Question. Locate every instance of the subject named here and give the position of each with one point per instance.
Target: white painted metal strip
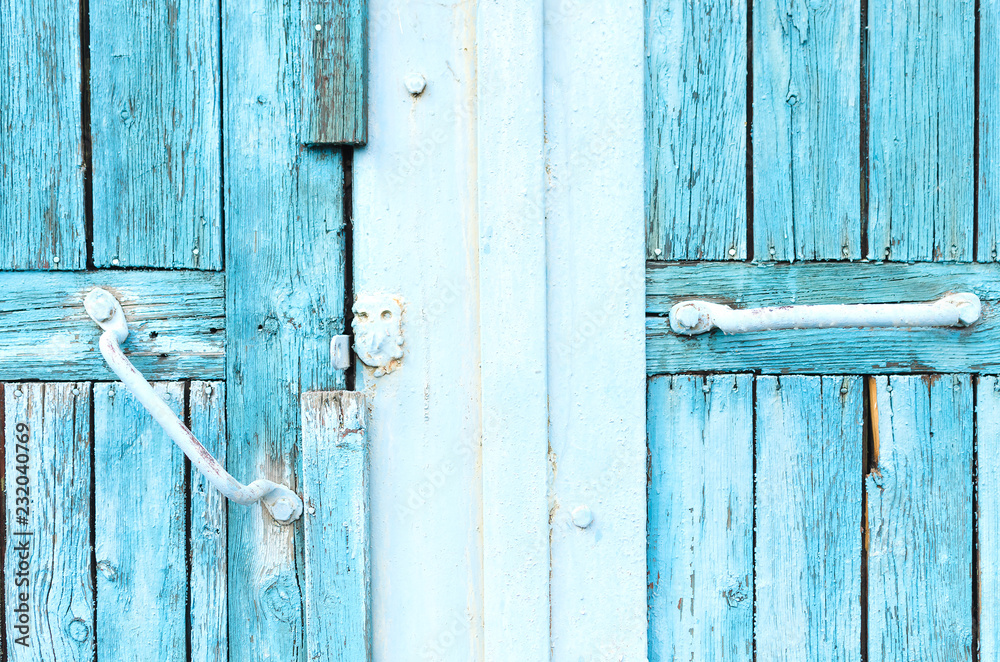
(512, 317)
(596, 248)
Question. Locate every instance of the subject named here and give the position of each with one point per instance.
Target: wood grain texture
(921, 64)
(806, 129)
(989, 131)
(49, 596)
(155, 125)
(42, 166)
(140, 528)
(700, 518)
(176, 322)
(696, 129)
(284, 301)
(808, 505)
(988, 514)
(822, 351)
(920, 520)
(335, 72)
(207, 581)
(335, 495)
(750, 285)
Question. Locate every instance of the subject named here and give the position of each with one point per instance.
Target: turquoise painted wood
(920, 77)
(696, 188)
(920, 520)
(48, 591)
(700, 518)
(806, 130)
(337, 586)
(140, 527)
(207, 530)
(988, 514)
(284, 301)
(155, 131)
(176, 321)
(334, 72)
(988, 183)
(808, 505)
(41, 137)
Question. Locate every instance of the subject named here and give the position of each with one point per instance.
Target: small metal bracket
(378, 331)
(340, 352)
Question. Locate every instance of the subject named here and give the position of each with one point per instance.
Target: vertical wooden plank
(989, 131)
(696, 61)
(921, 62)
(155, 122)
(416, 235)
(140, 528)
(920, 520)
(335, 72)
(808, 503)
(595, 280)
(284, 301)
(806, 144)
(515, 434)
(49, 596)
(42, 167)
(335, 495)
(700, 518)
(988, 514)
(207, 530)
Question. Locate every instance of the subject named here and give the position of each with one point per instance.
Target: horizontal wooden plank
(177, 323)
(813, 283)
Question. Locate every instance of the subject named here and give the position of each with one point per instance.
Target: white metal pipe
(284, 505)
(694, 317)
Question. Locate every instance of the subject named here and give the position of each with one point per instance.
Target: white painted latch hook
(955, 310)
(284, 505)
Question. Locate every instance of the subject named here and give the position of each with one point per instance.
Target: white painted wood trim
(512, 318)
(597, 380)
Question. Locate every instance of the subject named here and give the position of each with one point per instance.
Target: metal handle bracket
(284, 505)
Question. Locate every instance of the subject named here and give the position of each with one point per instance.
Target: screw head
(688, 316)
(415, 84)
(582, 517)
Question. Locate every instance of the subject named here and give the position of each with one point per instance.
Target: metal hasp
(284, 505)
(378, 331)
(955, 310)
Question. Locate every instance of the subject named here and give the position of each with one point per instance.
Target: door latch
(693, 317)
(284, 505)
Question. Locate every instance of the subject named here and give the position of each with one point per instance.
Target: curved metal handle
(693, 317)
(284, 505)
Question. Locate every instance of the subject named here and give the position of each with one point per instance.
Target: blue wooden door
(825, 494)
(192, 157)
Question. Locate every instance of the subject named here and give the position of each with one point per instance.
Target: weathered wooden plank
(335, 72)
(42, 167)
(335, 494)
(49, 596)
(176, 322)
(140, 528)
(284, 301)
(988, 514)
(920, 520)
(207, 530)
(512, 329)
(426, 505)
(806, 126)
(700, 518)
(594, 232)
(822, 351)
(155, 123)
(808, 504)
(748, 285)
(696, 60)
(989, 131)
(921, 64)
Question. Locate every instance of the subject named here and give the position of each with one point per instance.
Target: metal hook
(284, 505)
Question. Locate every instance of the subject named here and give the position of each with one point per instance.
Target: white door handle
(693, 317)
(284, 505)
